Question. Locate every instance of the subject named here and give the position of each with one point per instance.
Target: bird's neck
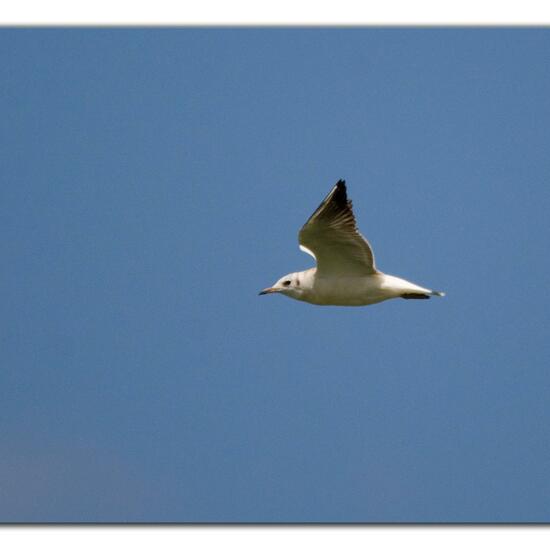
(306, 278)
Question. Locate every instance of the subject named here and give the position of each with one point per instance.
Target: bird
(346, 274)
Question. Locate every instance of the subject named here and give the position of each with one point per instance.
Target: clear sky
(154, 180)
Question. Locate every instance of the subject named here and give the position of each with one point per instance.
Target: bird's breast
(347, 291)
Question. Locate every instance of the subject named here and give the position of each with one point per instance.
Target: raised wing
(331, 237)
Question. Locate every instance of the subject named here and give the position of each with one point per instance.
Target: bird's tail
(437, 293)
(421, 295)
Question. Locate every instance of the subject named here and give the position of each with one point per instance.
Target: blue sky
(154, 180)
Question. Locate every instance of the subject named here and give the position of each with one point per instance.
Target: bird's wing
(331, 237)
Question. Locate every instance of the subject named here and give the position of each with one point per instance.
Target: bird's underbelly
(353, 291)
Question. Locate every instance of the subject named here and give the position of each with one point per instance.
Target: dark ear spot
(297, 282)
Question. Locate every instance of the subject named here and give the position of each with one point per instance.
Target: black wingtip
(335, 202)
(341, 195)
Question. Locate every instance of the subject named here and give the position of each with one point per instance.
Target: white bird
(345, 274)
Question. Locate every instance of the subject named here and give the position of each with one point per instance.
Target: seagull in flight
(346, 274)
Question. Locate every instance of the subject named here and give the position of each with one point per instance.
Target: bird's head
(288, 285)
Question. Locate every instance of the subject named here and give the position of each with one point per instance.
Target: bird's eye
(286, 283)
